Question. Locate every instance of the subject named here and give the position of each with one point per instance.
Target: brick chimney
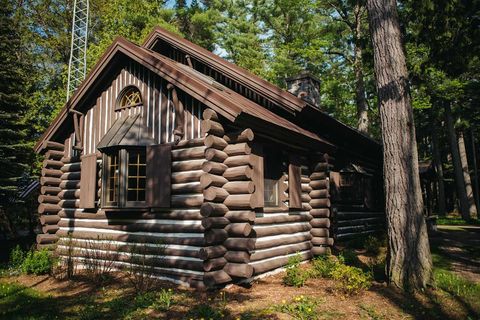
(306, 87)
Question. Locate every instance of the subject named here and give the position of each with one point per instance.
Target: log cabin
(167, 143)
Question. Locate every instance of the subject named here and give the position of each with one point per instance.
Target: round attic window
(129, 97)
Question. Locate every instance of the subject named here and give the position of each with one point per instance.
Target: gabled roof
(224, 101)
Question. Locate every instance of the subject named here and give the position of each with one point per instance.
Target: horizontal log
(50, 228)
(48, 199)
(208, 179)
(317, 251)
(320, 213)
(215, 222)
(322, 167)
(49, 247)
(214, 264)
(132, 226)
(320, 232)
(69, 194)
(213, 209)
(132, 237)
(215, 155)
(357, 214)
(53, 173)
(214, 167)
(209, 114)
(212, 127)
(185, 201)
(240, 215)
(70, 184)
(280, 251)
(237, 256)
(51, 145)
(322, 241)
(214, 278)
(239, 187)
(49, 219)
(212, 252)
(270, 219)
(215, 194)
(318, 176)
(240, 160)
(241, 201)
(305, 197)
(50, 190)
(268, 265)
(238, 270)
(69, 203)
(305, 179)
(215, 142)
(242, 229)
(52, 164)
(215, 236)
(319, 194)
(187, 165)
(189, 187)
(73, 159)
(48, 208)
(238, 149)
(237, 137)
(50, 181)
(281, 229)
(261, 244)
(46, 238)
(239, 244)
(186, 176)
(306, 188)
(54, 154)
(306, 206)
(320, 203)
(71, 167)
(320, 222)
(70, 176)
(362, 221)
(238, 173)
(188, 153)
(319, 184)
(178, 214)
(189, 143)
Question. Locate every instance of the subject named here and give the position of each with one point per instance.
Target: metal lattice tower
(77, 65)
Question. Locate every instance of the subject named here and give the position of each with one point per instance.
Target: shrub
(295, 276)
(301, 307)
(99, 260)
(351, 279)
(373, 245)
(141, 270)
(323, 266)
(348, 257)
(164, 300)
(206, 311)
(17, 257)
(38, 262)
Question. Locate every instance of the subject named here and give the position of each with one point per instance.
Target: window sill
(131, 209)
(276, 209)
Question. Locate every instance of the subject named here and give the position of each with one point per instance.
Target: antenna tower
(77, 65)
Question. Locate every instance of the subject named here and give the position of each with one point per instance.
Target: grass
(456, 221)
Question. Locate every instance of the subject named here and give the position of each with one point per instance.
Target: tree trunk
(409, 264)
(475, 169)
(472, 208)
(437, 160)
(361, 101)
(457, 166)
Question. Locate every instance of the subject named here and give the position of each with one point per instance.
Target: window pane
(271, 192)
(136, 176)
(112, 178)
(273, 171)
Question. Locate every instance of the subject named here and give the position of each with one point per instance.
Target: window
(273, 170)
(130, 97)
(124, 178)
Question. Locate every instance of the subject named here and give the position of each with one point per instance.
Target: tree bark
(475, 169)
(361, 101)
(409, 264)
(437, 160)
(457, 166)
(472, 208)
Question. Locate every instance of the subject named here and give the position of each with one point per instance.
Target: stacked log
(49, 199)
(320, 206)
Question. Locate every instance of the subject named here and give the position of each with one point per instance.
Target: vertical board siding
(157, 111)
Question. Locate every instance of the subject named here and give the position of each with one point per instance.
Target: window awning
(126, 131)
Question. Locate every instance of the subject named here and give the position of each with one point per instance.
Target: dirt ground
(77, 299)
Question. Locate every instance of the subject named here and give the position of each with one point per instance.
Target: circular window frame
(125, 91)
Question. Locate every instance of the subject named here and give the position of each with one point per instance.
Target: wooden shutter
(294, 183)
(258, 175)
(88, 181)
(159, 172)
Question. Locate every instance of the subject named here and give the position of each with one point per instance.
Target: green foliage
(323, 266)
(348, 257)
(456, 285)
(164, 300)
(206, 311)
(373, 245)
(351, 280)
(303, 308)
(17, 258)
(38, 262)
(295, 276)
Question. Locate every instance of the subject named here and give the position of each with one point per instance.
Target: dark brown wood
(187, 165)
(88, 181)
(215, 236)
(215, 155)
(69, 194)
(48, 208)
(50, 228)
(186, 201)
(239, 270)
(294, 183)
(54, 154)
(46, 238)
(70, 175)
(50, 181)
(240, 160)
(70, 184)
(238, 137)
(281, 229)
(214, 167)
(49, 219)
(209, 114)
(212, 127)
(48, 199)
(239, 229)
(239, 187)
(215, 194)
(238, 149)
(215, 142)
(213, 209)
(159, 176)
(53, 145)
(257, 175)
(319, 232)
(275, 252)
(216, 277)
(320, 223)
(207, 180)
(238, 173)
(287, 218)
(186, 176)
(189, 187)
(237, 256)
(214, 264)
(71, 167)
(240, 215)
(188, 153)
(215, 222)
(281, 241)
(55, 173)
(50, 190)
(320, 212)
(240, 244)
(269, 265)
(241, 201)
(320, 203)
(212, 252)
(52, 164)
